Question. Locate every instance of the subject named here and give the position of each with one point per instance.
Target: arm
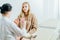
(16, 21)
(18, 31)
(33, 25)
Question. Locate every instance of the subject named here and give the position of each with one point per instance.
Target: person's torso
(28, 22)
(5, 31)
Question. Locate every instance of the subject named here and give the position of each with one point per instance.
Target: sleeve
(34, 22)
(17, 30)
(34, 25)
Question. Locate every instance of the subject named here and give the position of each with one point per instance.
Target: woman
(28, 17)
(8, 29)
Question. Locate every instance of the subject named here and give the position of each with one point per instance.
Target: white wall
(59, 10)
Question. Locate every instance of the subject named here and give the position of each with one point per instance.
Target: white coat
(9, 30)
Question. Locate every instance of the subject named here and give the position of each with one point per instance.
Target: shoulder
(9, 22)
(32, 15)
(21, 15)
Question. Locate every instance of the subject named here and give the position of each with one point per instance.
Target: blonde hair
(22, 12)
(28, 6)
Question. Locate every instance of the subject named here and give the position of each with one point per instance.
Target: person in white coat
(8, 29)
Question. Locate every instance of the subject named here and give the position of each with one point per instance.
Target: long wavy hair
(22, 12)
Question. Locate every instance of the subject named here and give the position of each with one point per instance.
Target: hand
(16, 21)
(28, 36)
(17, 38)
(25, 39)
(34, 36)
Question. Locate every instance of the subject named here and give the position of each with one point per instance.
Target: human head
(26, 8)
(5, 9)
